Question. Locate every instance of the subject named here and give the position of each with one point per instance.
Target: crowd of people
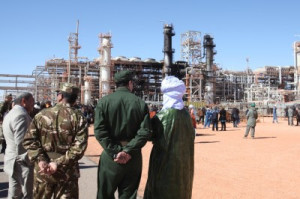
(212, 116)
(43, 142)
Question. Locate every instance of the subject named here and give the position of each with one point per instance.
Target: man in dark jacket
(235, 116)
(214, 119)
(223, 119)
(122, 127)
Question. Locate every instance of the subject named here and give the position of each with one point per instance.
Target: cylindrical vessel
(87, 92)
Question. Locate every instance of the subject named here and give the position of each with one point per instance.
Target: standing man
(223, 119)
(214, 118)
(298, 115)
(251, 121)
(275, 114)
(290, 116)
(6, 106)
(235, 116)
(208, 115)
(192, 114)
(122, 129)
(171, 165)
(55, 141)
(16, 164)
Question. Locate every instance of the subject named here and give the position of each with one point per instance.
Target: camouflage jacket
(58, 134)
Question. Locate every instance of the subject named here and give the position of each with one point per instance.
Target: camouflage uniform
(58, 134)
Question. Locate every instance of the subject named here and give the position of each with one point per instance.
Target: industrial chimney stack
(209, 52)
(168, 51)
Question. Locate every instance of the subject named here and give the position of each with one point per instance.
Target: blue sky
(33, 31)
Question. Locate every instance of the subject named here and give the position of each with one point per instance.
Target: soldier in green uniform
(251, 121)
(122, 129)
(55, 141)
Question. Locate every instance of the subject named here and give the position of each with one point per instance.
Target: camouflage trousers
(62, 190)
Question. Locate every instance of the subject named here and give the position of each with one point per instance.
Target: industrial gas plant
(206, 82)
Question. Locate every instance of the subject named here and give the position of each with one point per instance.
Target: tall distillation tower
(73, 51)
(297, 67)
(209, 45)
(105, 64)
(168, 51)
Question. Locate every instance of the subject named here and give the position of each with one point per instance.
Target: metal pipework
(168, 51)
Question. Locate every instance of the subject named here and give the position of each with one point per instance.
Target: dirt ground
(230, 167)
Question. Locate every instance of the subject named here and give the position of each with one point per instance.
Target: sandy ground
(228, 166)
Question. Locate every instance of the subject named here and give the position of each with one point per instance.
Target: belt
(54, 155)
(124, 143)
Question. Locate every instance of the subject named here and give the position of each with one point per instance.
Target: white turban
(173, 90)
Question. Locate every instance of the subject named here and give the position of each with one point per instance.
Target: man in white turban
(171, 167)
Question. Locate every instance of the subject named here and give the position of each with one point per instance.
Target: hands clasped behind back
(122, 157)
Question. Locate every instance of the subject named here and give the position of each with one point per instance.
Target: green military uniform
(58, 134)
(121, 124)
(251, 121)
(171, 166)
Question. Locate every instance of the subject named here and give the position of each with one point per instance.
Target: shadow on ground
(264, 137)
(204, 134)
(206, 142)
(88, 167)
